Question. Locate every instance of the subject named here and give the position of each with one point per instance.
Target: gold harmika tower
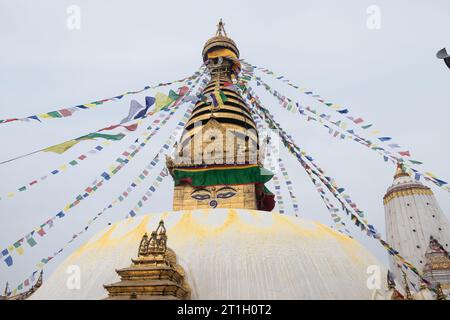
(217, 162)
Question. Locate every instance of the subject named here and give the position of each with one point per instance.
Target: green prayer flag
(173, 95)
(54, 114)
(113, 137)
(31, 241)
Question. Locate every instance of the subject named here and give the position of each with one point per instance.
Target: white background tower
(412, 217)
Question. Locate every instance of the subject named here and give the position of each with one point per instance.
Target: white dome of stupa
(228, 254)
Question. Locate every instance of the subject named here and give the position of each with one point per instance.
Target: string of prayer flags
(72, 163)
(98, 183)
(137, 110)
(44, 261)
(340, 226)
(289, 186)
(67, 112)
(296, 151)
(270, 151)
(63, 147)
(356, 120)
(164, 172)
(149, 193)
(350, 133)
(141, 177)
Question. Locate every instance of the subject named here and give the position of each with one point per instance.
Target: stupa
(225, 241)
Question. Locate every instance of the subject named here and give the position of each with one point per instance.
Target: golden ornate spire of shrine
(221, 29)
(401, 172)
(439, 292)
(217, 162)
(154, 275)
(407, 290)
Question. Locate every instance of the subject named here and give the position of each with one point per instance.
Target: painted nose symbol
(213, 203)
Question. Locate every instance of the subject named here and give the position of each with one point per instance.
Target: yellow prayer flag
(44, 115)
(161, 100)
(430, 174)
(20, 250)
(62, 147)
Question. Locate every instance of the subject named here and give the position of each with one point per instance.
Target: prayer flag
(9, 261)
(405, 153)
(31, 241)
(136, 111)
(161, 101)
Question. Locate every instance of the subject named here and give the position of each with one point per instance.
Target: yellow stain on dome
(204, 225)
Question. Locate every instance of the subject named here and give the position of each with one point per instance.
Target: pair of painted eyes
(224, 195)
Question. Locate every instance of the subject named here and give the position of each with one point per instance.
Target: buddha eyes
(201, 196)
(226, 195)
(223, 193)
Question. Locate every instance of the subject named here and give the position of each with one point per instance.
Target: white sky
(390, 77)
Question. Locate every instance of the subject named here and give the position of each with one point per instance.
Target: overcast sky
(389, 77)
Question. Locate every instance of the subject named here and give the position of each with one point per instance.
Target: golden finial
(221, 28)
(156, 243)
(390, 280)
(408, 292)
(6, 289)
(401, 170)
(439, 293)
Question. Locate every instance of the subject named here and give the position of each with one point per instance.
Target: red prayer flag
(405, 153)
(10, 120)
(131, 127)
(110, 127)
(359, 120)
(65, 112)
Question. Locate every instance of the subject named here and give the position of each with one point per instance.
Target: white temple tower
(413, 219)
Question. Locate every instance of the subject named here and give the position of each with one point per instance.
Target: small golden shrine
(437, 266)
(154, 275)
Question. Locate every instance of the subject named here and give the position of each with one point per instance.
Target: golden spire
(407, 291)
(401, 171)
(154, 275)
(221, 29)
(6, 289)
(390, 280)
(439, 293)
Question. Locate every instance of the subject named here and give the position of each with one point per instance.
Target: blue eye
(226, 195)
(201, 196)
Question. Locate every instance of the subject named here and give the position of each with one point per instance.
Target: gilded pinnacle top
(221, 39)
(400, 172)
